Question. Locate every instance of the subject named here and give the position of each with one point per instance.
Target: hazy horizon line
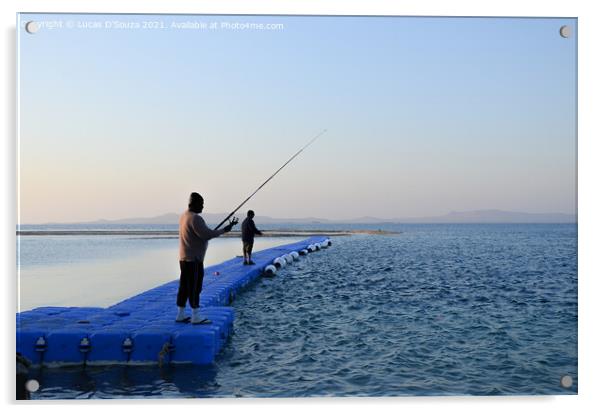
(371, 217)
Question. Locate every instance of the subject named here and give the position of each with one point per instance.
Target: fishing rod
(268, 180)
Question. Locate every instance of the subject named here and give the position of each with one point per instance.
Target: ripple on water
(436, 310)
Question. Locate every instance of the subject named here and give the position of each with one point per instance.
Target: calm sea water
(434, 310)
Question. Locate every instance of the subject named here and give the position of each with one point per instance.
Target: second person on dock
(248, 231)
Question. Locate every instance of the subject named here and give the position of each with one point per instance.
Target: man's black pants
(191, 283)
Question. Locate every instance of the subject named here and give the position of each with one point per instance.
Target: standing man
(194, 239)
(249, 230)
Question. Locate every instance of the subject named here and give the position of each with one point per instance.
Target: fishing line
(273, 175)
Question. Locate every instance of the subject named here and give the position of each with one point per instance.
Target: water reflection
(98, 271)
(125, 381)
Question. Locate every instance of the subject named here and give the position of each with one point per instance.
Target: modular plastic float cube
(27, 340)
(63, 346)
(108, 346)
(194, 345)
(148, 344)
(221, 320)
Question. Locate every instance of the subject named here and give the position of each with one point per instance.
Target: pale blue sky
(424, 116)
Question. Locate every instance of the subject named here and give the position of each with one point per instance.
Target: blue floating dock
(141, 329)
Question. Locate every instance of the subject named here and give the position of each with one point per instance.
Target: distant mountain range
(492, 216)
(495, 216)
